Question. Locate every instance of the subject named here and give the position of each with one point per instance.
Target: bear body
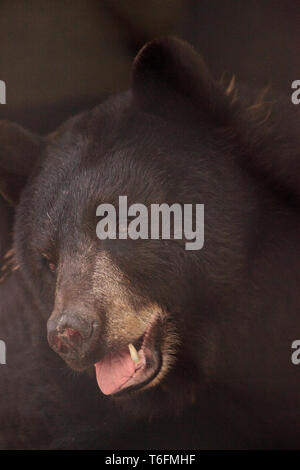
(214, 326)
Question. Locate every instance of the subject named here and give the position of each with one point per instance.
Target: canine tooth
(133, 353)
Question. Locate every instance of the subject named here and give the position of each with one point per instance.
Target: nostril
(70, 335)
(65, 341)
(58, 345)
(74, 327)
(73, 335)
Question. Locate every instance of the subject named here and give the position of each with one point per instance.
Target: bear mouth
(133, 367)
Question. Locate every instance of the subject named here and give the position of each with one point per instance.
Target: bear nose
(71, 335)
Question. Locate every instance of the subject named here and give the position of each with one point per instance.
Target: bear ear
(169, 66)
(19, 151)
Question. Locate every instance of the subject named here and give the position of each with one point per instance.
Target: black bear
(164, 330)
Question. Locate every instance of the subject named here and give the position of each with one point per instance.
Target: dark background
(60, 56)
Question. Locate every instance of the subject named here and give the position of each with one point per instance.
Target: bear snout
(72, 336)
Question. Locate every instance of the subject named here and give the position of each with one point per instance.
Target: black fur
(177, 136)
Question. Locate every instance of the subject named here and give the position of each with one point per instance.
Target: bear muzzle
(72, 336)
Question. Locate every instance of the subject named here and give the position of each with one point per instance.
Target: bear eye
(51, 266)
(49, 263)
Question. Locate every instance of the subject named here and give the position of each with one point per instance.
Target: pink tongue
(114, 371)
